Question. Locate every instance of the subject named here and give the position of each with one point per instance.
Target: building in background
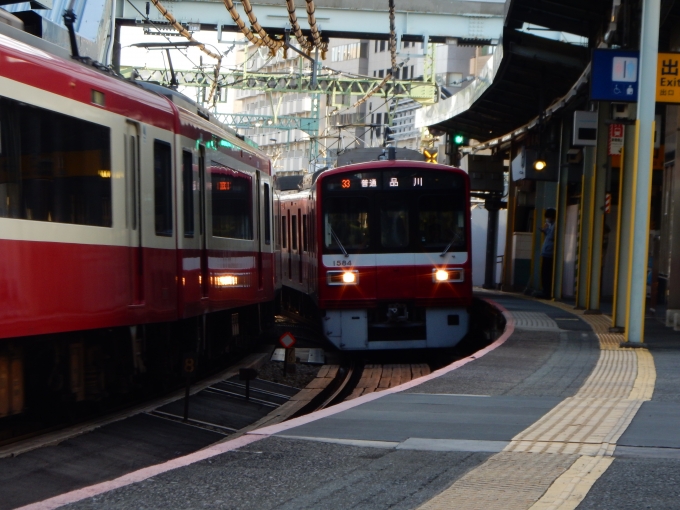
(344, 124)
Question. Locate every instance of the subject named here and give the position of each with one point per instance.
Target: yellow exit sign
(668, 78)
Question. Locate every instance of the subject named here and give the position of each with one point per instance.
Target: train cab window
(394, 224)
(188, 192)
(441, 221)
(294, 232)
(267, 213)
(346, 223)
(53, 167)
(162, 172)
(232, 210)
(284, 232)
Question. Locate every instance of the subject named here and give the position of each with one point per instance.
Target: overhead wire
(305, 44)
(183, 31)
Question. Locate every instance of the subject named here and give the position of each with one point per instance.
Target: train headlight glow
(448, 275)
(226, 281)
(441, 276)
(348, 277)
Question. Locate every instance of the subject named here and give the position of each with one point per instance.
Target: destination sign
(393, 180)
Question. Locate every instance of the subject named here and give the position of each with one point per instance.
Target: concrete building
(344, 124)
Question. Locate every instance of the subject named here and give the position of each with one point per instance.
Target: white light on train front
(441, 276)
(226, 280)
(348, 277)
(448, 275)
(345, 277)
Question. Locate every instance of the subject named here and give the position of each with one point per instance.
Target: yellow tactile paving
(583, 428)
(509, 481)
(570, 488)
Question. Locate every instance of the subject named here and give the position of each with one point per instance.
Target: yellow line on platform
(581, 431)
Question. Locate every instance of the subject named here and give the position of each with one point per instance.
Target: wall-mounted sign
(615, 139)
(585, 128)
(614, 75)
(668, 78)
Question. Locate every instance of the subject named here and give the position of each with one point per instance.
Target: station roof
(527, 73)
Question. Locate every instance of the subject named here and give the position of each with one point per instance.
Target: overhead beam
(355, 19)
(423, 92)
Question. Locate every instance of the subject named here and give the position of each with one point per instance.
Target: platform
(554, 414)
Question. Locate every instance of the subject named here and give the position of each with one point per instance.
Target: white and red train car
(133, 229)
(380, 252)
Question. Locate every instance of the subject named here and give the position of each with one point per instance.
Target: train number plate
(341, 263)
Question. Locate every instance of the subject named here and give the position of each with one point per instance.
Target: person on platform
(547, 253)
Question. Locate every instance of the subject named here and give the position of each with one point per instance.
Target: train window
(188, 192)
(441, 221)
(394, 224)
(305, 233)
(346, 224)
(162, 171)
(293, 234)
(232, 210)
(53, 167)
(267, 220)
(284, 232)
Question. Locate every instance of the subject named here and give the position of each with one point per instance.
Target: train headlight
(347, 277)
(448, 275)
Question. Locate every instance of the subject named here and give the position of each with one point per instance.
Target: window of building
(404, 73)
(232, 210)
(53, 167)
(381, 73)
(162, 172)
(382, 45)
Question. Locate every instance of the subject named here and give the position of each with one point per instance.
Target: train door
(203, 224)
(133, 213)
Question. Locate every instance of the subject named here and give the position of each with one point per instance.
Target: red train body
(381, 251)
(121, 207)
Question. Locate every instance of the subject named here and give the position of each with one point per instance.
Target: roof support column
(537, 237)
(507, 285)
(585, 242)
(644, 133)
(561, 220)
(545, 199)
(623, 236)
(600, 184)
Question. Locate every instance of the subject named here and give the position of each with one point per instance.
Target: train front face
(394, 264)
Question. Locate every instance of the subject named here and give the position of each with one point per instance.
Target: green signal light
(458, 139)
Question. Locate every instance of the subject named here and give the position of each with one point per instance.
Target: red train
(133, 229)
(381, 252)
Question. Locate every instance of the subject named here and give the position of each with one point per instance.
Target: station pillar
(623, 236)
(546, 193)
(507, 283)
(561, 208)
(644, 134)
(585, 244)
(599, 190)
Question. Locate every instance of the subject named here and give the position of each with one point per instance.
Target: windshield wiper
(337, 240)
(456, 237)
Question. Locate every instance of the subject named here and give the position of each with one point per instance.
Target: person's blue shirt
(548, 248)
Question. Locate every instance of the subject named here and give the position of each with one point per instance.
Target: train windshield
(397, 210)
